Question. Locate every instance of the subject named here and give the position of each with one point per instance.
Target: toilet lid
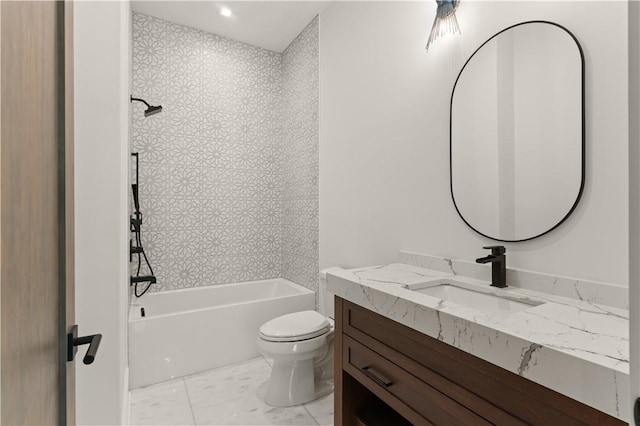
(296, 326)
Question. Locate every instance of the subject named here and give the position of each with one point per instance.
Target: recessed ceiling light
(225, 12)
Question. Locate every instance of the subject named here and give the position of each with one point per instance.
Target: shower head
(151, 109)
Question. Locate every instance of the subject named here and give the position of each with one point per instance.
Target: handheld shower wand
(136, 201)
(137, 220)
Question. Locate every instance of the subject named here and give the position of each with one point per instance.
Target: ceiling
(271, 25)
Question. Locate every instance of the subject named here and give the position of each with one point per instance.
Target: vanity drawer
(494, 393)
(419, 402)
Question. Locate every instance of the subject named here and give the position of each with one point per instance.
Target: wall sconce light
(445, 23)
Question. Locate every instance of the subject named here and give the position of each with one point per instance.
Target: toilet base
(323, 388)
(292, 383)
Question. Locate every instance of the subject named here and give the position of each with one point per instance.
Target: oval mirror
(517, 132)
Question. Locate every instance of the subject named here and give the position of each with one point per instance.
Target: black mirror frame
(582, 182)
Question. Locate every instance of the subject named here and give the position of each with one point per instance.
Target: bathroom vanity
(406, 357)
(429, 382)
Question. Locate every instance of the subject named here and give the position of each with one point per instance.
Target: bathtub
(191, 330)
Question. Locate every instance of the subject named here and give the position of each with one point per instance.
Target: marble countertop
(575, 347)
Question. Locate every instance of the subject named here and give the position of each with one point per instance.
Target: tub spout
(143, 279)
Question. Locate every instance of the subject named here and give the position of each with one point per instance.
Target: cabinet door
(411, 397)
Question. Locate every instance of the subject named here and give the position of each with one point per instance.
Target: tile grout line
(186, 390)
(310, 415)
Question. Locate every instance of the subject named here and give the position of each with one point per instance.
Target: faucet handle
(496, 250)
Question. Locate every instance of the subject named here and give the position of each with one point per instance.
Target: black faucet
(498, 262)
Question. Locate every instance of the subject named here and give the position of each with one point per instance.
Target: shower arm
(140, 100)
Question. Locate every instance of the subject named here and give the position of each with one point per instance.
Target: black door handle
(73, 341)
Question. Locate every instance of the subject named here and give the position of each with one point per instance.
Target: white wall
(384, 144)
(102, 34)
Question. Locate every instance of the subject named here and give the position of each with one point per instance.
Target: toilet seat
(295, 327)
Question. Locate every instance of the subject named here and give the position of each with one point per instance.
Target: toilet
(301, 347)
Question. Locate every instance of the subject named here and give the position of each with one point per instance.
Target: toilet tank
(326, 298)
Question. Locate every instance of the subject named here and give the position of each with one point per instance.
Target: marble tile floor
(230, 395)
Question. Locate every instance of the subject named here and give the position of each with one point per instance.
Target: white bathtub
(191, 330)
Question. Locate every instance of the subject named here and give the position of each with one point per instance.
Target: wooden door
(66, 283)
(36, 205)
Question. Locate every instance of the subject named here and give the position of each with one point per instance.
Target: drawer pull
(375, 375)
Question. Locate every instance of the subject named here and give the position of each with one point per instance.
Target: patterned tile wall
(211, 161)
(300, 158)
(229, 169)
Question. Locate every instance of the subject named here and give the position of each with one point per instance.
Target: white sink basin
(486, 302)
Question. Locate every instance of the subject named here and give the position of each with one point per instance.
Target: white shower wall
(212, 164)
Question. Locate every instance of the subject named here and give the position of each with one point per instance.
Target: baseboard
(126, 403)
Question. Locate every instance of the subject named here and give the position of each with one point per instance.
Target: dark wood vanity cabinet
(390, 374)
